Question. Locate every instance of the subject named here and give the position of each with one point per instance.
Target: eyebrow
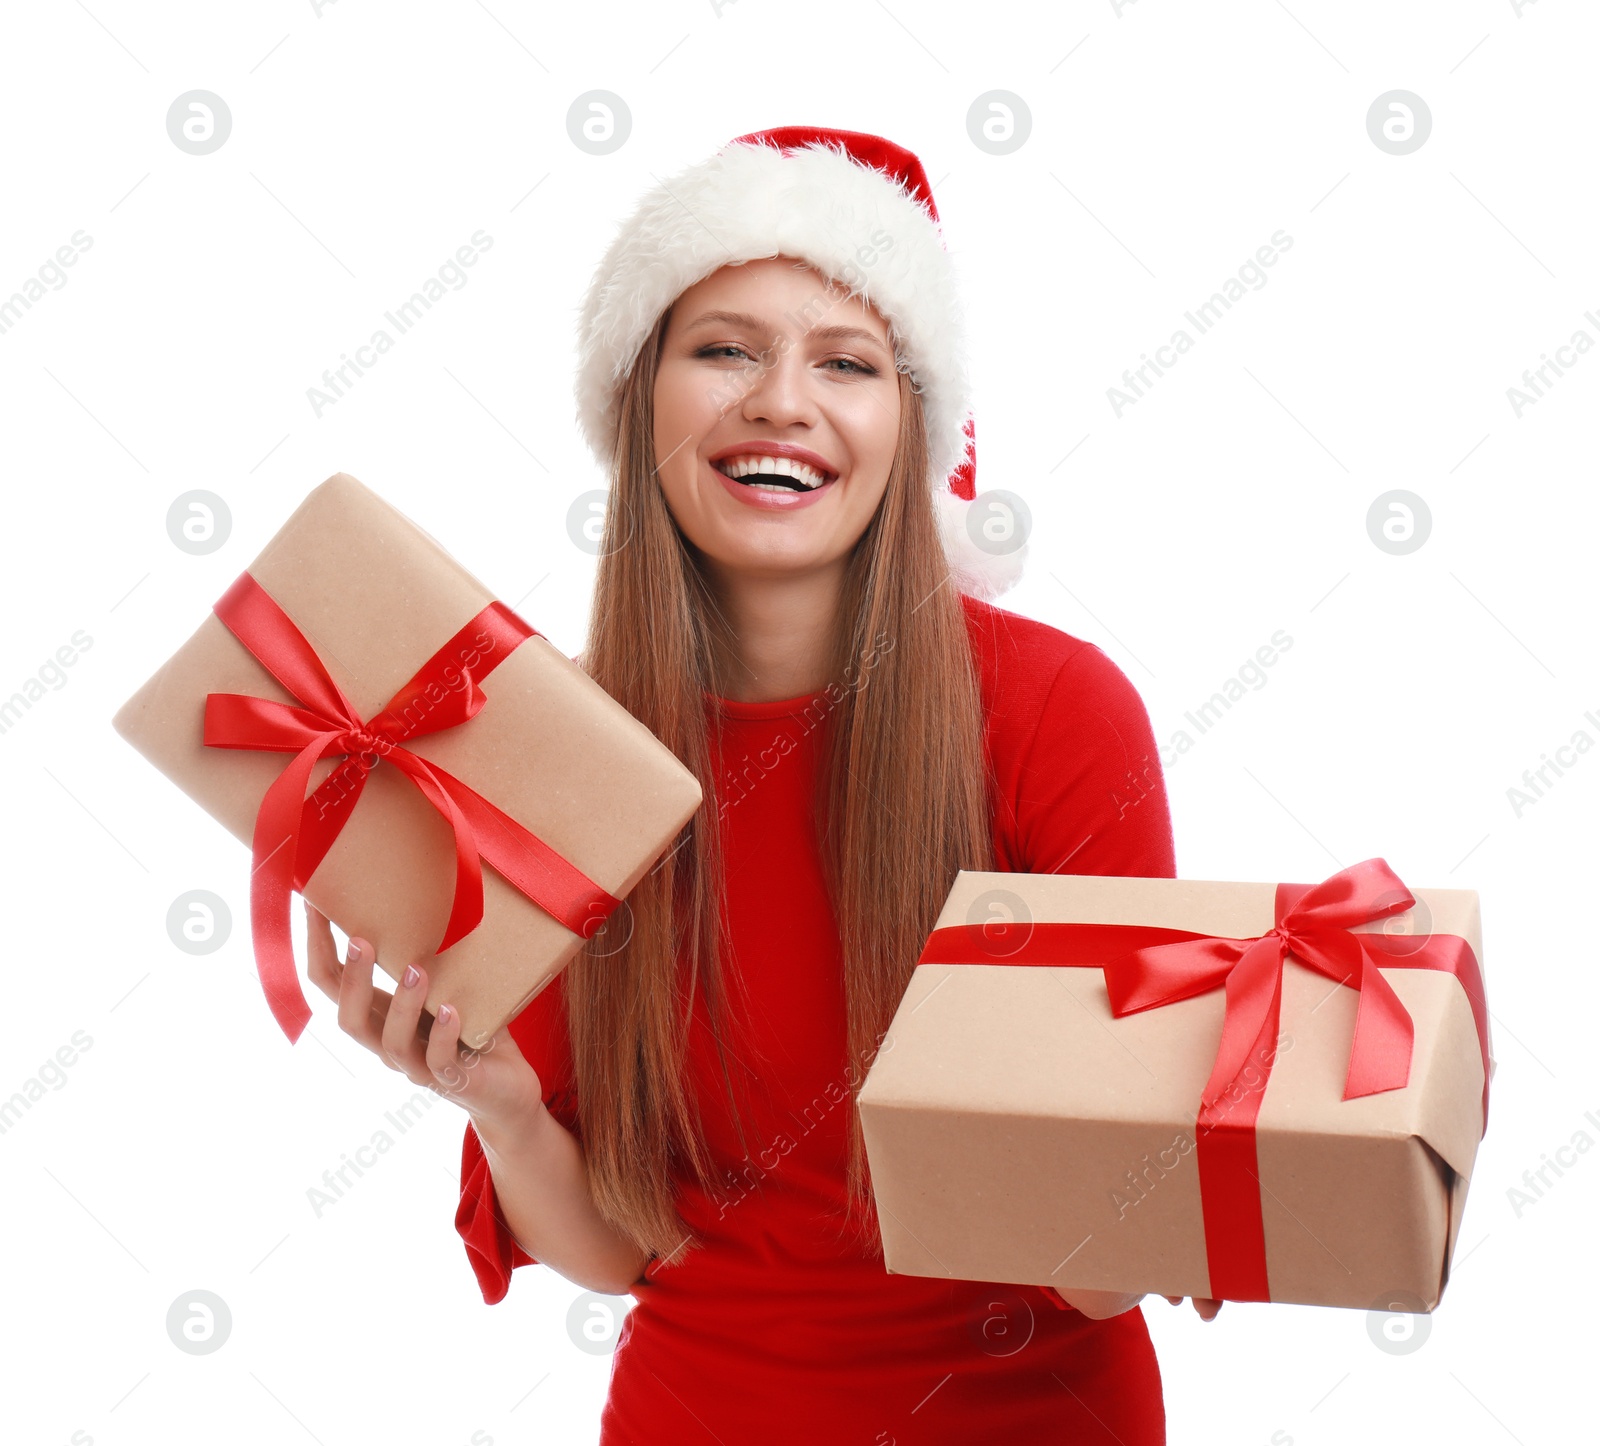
(752, 323)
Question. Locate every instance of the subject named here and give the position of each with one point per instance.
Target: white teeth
(754, 465)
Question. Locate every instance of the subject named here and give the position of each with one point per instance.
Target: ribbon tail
(273, 848)
(1450, 954)
(1380, 1052)
(529, 864)
(1255, 994)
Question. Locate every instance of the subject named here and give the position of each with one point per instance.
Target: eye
(721, 350)
(850, 364)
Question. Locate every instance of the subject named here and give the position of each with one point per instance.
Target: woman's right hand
(494, 1084)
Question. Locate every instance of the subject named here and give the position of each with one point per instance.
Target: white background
(1167, 144)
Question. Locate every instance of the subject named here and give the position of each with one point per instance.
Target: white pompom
(977, 572)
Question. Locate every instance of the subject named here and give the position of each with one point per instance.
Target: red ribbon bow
(1316, 923)
(293, 833)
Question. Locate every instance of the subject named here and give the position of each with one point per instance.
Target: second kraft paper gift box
(406, 751)
(1243, 1091)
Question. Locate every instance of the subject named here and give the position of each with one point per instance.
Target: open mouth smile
(780, 473)
(768, 469)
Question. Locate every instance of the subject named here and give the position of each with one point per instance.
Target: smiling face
(777, 414)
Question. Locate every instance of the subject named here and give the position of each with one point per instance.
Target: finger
(443, 1053)
(400, 1040)
(357, 1016)
(1208, 1308)
(322, 954)
(1175, 1300)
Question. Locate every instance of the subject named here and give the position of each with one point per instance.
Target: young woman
(789, 598)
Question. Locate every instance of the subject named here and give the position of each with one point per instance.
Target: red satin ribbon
(293, 833)
(1314, 923)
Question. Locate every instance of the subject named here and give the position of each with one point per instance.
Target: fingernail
(352, 955)
(446, 1013)
(411, 976)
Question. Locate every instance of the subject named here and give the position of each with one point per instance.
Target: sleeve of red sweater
(1090, 796)
(541, 1034)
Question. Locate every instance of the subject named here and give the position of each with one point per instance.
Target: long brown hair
(902, 804)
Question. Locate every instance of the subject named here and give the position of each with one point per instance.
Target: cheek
(872, 428)
(686, 405)
(668, 409)
(681, 412)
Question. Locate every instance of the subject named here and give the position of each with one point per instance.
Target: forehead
(782, 294)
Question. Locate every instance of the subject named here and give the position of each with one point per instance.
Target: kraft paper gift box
(1035, 1114)
(469, 784)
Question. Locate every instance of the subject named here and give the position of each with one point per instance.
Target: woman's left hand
(1103, 1304)
(1207, 1308)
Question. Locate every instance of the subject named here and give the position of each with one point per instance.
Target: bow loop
(236, 720)
(430, 706)
(1354, 895)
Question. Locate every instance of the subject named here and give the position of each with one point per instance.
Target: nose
(779, 393)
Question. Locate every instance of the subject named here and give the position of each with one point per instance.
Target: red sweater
(775, 1331)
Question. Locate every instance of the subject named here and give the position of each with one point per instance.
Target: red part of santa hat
(857, 207)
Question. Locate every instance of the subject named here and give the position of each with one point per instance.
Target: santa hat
(856, 207)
